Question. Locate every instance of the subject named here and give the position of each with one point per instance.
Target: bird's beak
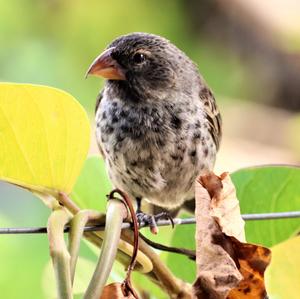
(105, 66)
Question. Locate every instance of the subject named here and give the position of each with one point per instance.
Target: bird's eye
(139, 58)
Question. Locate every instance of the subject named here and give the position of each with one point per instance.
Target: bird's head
(142, 64)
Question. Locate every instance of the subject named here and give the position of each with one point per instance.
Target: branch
(187, 252)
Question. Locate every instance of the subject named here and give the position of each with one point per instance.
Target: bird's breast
(153, 151)
(122, 126)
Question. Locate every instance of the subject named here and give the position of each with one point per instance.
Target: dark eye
(138, 58)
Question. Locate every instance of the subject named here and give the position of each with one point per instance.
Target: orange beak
(105, 66)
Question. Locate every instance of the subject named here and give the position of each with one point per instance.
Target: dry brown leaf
(253, 261)
(226, 267)
(224, 205)
(217, 273)
(115, 290)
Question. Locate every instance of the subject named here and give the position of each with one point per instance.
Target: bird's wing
(213, 115)
(98, 100)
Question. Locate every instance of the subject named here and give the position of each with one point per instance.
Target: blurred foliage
(23, 257)
(92, 186)
(53, 42)
(182, 236)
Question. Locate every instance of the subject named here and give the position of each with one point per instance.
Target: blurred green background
(252, 67)
(53, 42)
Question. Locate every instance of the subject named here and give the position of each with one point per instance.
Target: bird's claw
(151, 220)
(164, 216)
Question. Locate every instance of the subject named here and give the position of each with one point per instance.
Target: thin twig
(177, 221)
(191, 254)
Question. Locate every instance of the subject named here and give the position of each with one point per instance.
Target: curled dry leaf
(253, 261)
(217, 273)
(226, 267)
(225, 208)
(115, 290)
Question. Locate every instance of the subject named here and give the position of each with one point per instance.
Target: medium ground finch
(158, 126)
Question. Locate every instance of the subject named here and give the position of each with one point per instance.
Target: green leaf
(92, 185)
(183, 236)
(44, 137)
(283, 275)
(143, 284)
(264, 190)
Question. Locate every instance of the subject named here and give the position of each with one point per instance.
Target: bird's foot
(152, 220)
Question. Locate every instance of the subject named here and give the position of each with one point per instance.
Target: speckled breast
(154, 151)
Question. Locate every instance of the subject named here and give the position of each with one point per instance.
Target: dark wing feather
(213, 115)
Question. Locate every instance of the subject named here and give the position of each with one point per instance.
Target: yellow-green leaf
(44, 137)
(283, 275)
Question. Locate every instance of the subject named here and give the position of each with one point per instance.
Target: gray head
(144, 66)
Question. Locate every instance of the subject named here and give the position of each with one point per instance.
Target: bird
(157, 123)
